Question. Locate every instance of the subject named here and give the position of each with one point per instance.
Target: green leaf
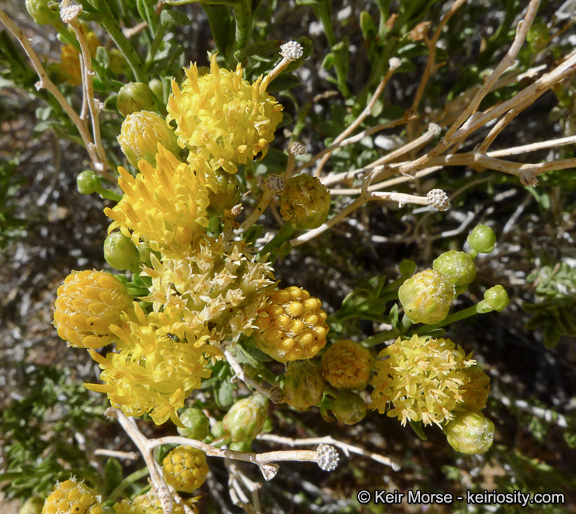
(418, 429)
(113, 475)
(224, 394)
(283, 82)
(393, 315)
(222, 26)
(174, 17)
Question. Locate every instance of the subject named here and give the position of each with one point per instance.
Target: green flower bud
(482, 239)
(88, 182)
(457, 266)
(32, 506)
(217, 430)
(304, 385)
(305, 202)
(140, 134)
(470, 433)
(246, 417)
(136, 96)
(241, 446)
(426, 297)
(226, 196)
(196, 422)
(41, 13)
(120, 252)
(349, 408)
(496, 298)
(475, 392)
(156, 86)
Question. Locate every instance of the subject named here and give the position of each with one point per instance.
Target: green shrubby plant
(210, 186)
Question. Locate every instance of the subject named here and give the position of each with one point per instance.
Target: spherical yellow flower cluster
(87, 304)
(185, 468)
(164, 206)
(291, 325)
(422, 379)
(209, 287)
(72, 496)
(223, 118)
(152, 372)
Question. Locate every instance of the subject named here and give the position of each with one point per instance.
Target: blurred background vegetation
(50, 425)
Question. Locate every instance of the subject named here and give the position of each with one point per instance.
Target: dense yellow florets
(213, 289)
(347, 365)
(164, 206)
(150, 504)
(87, 304)
(185, 468)
(72, 497)
(223, 118)
(152, 372)
(421, 378)
(292, 325)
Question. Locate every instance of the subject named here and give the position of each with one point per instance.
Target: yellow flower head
(69, 66)
(421, 378)
(140, 134)
(87, 304)
(185, 468)
(72, 496)
(164, 206)
(209, 287)
(150, 504)
(152, 372)
(222, 117)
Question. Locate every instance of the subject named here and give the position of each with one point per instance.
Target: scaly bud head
(245, 419)
(88, 182)
(426, 297)
(456, 266)
(136, 96)
(305, 202)
(347, 365)
(482, 239)
(41, 13)
(496, 298)
(140, 134)
(475, 392)
(470, 433)
(304, 385)
(121, 252)
(349, 408)
(196, 422)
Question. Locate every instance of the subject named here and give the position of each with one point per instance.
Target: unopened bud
(457, 266)
(470, 433)
(349, 408)
(120, 252)
(88, 182)
(305, 202)
(245, 419)
(196, 423)
(304, 385)
(136, 96)
(482, 239)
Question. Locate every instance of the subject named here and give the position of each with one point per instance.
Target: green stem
(65, 35)
(122, 42)
(279, 239)
(323, 13)
(244, 18)
(452, 318)
(109, 195)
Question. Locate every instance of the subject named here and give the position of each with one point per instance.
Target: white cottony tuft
(327, 457)
(69, 11)
(438, 199)
(292, 51)
(434, 129)
(394, 63)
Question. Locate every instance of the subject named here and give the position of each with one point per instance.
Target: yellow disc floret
(292, 325)
(185, 468)
(422, 379)
(152, 372)
(222, 117)
(164, 206)
(72, 497)
(87, 304)
(347, 365)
